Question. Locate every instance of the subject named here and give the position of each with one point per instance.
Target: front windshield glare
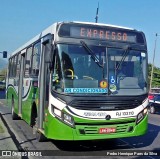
(76, 72)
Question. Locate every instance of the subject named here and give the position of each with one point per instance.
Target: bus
(81, 81)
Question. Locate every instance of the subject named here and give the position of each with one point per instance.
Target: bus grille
(95, 130)
(105, 105)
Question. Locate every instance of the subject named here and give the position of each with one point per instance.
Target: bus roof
(52, 28)
(48, 30)
(102, 24)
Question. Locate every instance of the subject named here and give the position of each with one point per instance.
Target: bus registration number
(107, 130)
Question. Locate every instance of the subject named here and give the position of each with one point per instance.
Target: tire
(14, 115)
(152, 109)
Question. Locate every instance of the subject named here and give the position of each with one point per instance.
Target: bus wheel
(152, 109)
(14, 115)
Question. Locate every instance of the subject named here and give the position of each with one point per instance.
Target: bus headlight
(57, 112)
(141, 115)
(62, 116)
(68, 119)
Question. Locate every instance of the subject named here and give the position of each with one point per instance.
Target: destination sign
(106, 33)
(102, 34)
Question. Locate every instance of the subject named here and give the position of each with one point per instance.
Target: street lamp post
(154, 52)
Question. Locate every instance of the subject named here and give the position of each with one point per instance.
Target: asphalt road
(26, 140)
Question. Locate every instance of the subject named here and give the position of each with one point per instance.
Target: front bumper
(55, 129)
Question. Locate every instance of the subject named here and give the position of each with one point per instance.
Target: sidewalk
(6, 142)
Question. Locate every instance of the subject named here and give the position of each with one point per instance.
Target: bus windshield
(77, 72)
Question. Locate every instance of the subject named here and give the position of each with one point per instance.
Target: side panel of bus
(13, 82)
(30, 81)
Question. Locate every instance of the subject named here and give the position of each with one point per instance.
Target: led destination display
(100, 33)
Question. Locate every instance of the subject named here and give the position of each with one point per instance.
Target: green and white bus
(81, 81)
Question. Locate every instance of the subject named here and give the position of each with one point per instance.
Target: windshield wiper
(126, 51)
(94, 57)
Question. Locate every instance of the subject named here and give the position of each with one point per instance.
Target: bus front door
(44, 83)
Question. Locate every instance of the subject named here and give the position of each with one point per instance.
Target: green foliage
(3, 73)
(156, 75)
(3, 69)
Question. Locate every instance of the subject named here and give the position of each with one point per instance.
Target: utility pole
(154, 52)
(97, 14)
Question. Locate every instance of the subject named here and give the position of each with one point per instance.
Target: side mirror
(4, 54)
(49, 54)
(48, 48)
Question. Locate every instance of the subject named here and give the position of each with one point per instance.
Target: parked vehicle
(154, 104)
(151, 96)
(2, 85)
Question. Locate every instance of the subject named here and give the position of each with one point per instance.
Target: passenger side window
(18, 66)
(13, 66)
(28, 62)
(36, 59)
(9, 68)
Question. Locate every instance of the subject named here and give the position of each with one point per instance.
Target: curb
(12, 137)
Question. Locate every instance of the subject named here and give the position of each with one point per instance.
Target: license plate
(107, 130)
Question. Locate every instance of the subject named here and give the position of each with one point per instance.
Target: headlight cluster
(63, 116)
(141, 115)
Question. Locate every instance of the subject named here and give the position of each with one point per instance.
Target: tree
(156, 76)
(3, 73)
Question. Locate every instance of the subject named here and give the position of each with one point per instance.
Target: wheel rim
(152, 109)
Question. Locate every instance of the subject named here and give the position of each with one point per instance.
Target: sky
(21, 20)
